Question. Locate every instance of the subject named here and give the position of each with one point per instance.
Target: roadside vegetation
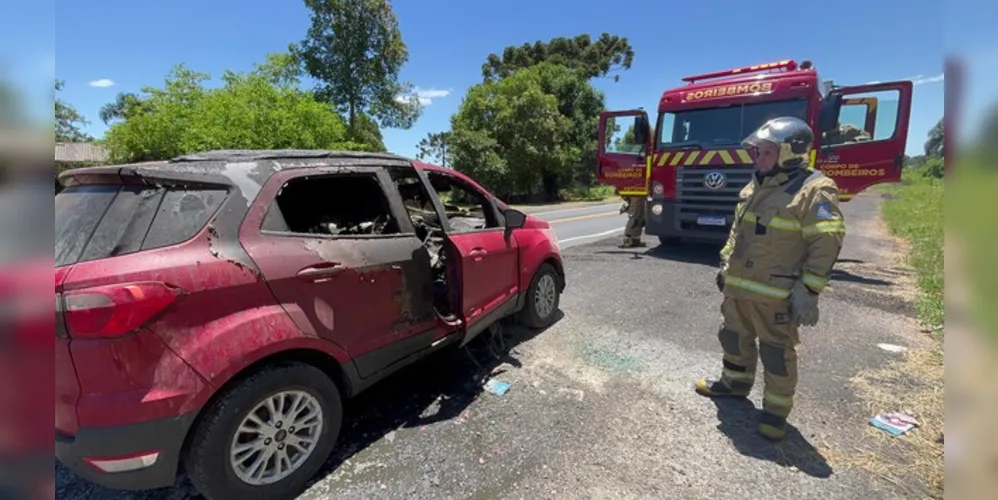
(914, 212)
(543, 85)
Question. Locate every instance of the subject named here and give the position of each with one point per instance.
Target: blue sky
(134, 44)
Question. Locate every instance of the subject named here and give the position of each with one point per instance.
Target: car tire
(542, 301)
(208, 462)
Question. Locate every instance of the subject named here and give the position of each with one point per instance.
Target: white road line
(604, 233)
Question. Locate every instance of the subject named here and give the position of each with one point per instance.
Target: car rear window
(99, 221)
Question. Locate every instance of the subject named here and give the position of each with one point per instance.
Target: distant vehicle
(215, 309)
(692, 168)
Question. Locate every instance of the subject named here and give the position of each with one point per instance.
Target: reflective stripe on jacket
(787, 228)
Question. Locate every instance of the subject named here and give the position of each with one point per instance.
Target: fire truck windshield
(725, 126)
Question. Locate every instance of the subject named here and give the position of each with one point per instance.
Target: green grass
(595, 193)
(914, 211)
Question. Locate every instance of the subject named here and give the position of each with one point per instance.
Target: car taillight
(111, 310)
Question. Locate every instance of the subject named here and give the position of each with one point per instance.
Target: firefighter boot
(772, 426)
(740, 354)
(735, 382)
(780, 363)
(631, 242)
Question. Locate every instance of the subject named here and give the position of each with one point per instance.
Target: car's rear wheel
(267, 436)
(543, 298)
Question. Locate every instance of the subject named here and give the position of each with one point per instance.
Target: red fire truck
(690, 165)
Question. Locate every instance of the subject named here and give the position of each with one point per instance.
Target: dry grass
(912, 462)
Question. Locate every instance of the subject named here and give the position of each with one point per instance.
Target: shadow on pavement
(706, 254)
(438, 388)
(846, 276)
(739, 419)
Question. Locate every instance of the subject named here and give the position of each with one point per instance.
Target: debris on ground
(892, 347)
(896, 423)
(497, 387)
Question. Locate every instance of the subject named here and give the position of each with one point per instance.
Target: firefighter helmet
(791, 135)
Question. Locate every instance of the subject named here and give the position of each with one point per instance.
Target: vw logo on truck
(715, 180)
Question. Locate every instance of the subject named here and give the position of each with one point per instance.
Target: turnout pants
(756, 330)
(635, 218)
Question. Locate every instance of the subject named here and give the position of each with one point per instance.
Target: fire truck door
(858, 150)
(624, 145)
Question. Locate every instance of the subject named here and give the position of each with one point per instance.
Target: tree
(250, 111)
(355, 50)
(436, 148)
(609, 53)
(934, 146)
(125, 104)
(366, 131)
(524, 133)
(68, 121)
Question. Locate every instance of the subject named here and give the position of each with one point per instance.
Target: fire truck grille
(699, 194)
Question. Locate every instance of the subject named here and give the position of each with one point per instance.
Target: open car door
(623, 146)
(864, 132)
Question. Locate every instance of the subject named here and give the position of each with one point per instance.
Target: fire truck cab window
(727, 126)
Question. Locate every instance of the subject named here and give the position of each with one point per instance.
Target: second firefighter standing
(634, 207)
(787, 234)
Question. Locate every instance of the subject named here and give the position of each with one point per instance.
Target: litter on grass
(497, 387)
(896, 423)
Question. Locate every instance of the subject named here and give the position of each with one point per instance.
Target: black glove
(720, 281)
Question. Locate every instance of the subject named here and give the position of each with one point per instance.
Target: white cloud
(426, 96)
(932, 79)
(102, 83)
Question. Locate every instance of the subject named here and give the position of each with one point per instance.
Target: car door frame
(396, 348)
(475, 325)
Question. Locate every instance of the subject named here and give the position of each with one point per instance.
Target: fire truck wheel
(668, 240)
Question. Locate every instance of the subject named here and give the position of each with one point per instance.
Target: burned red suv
(215, 310)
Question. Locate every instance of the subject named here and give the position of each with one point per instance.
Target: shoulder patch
(824, 210)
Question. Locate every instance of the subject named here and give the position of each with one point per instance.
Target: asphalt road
(581, 225)
(601, 404)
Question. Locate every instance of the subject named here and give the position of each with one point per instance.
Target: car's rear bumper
(146, 455)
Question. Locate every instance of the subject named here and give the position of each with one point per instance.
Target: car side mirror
(828, 116)
(515, 219)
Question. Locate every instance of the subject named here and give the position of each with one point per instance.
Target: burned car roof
(231, 166)
(226, 155)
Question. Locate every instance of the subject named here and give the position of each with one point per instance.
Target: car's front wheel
(267, 436)
(543, 298)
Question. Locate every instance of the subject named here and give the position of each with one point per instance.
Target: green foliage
(528, 132)
(435, 148)
(609, 53)
(261, 109)
(125, 104)
(355, 50)
(67, 120)
(915, 212)
(366, 131)
(934, 144)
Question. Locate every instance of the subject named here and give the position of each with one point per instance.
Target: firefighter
(635, 208)
(787, 234)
